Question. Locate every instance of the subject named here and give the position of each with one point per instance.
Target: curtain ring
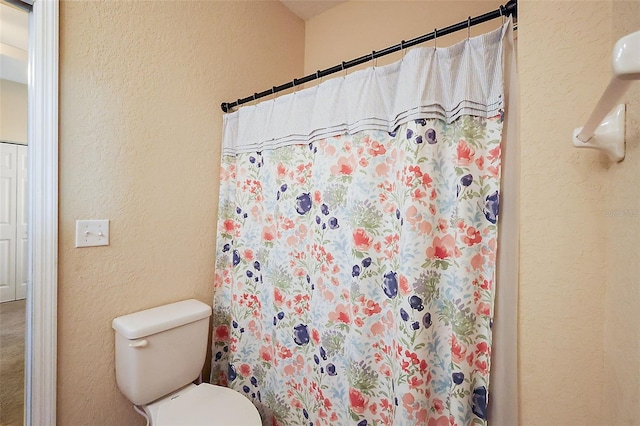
(273, 92)
(404, 52)
(502, 14)
(374, 59)
(435, 38)
(343, 69)
(469, 28)
(318, 77)
(295, 83)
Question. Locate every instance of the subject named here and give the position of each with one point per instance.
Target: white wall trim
(42, 289)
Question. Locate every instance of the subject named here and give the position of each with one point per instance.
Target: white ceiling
(14, 42)
(307, 9)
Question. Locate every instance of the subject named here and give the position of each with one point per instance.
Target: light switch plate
(91, 233)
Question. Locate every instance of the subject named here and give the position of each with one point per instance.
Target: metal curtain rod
(509, 9)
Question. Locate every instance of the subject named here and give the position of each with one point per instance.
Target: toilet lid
(208, 405)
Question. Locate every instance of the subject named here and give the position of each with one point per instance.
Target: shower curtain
(357, 241)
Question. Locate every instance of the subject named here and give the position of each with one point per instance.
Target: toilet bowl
(160, 352)
(203, 405)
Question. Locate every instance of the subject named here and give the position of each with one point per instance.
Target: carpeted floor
(12, 320)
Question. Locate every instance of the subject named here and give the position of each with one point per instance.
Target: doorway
(14, 44)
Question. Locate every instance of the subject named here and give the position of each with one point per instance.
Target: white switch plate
(91, 233)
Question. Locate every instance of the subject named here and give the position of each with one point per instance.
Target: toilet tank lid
(162, 318)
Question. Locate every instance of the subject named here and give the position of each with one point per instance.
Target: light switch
(91, 233)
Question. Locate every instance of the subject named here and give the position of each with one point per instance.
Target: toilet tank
(160, 350)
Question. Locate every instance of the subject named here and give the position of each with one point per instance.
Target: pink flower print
(222, 333)
(245, 370)
(442, 248)
(480, 162)
(372, 308)
(229, 225)
(494, 153)
(438, 405)
(266, 353)
(269, 233)
(377, 329)
(358, 322)
(465, 153)
(426, 180)
(248, 255)
(345, 166)
(315, 336)
(385, 370)
(404, 286)
(483, 309)
(472, 237)
(358, 401)
(341, 314)
(482, 366)
(363, 162)
(443, 225)
(482, 348)
(458, 350)
(477, 261)
(440, 421)
(281, 171)
(382, 169)
(415, 382)
(361, 239)
(408, 401)
(376, 149)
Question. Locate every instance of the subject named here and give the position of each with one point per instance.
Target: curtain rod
(509, 9)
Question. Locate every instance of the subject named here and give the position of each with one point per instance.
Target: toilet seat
(204, 405)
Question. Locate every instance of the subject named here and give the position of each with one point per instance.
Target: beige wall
(564, 63)
(356, 28)
(622, 220)
(13, 112)
(140, 125)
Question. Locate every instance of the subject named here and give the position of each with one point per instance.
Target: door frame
(42, 258)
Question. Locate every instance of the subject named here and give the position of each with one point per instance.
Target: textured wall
(564, 63)
(355, 28)
(13, 112)
(140, 126)
(621, 391)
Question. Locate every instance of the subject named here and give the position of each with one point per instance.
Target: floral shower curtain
(357, 240)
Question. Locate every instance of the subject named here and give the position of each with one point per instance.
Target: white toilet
(159, 353)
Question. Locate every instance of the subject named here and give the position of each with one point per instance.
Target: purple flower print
(331, 369)
(479, 399)
(466, 180)
(426, 320)
(355, 271)
(303, 203)
(416, 303)
(409, 133)
(491, 205)
(421, 121)
(431, 136)
(236, 257)
(404, 315)
(300, 334)
(231, 373)
(390, 284)
(333, 223)
(457, 377)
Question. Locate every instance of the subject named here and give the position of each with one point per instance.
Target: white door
(21, 223)
(8, 173)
